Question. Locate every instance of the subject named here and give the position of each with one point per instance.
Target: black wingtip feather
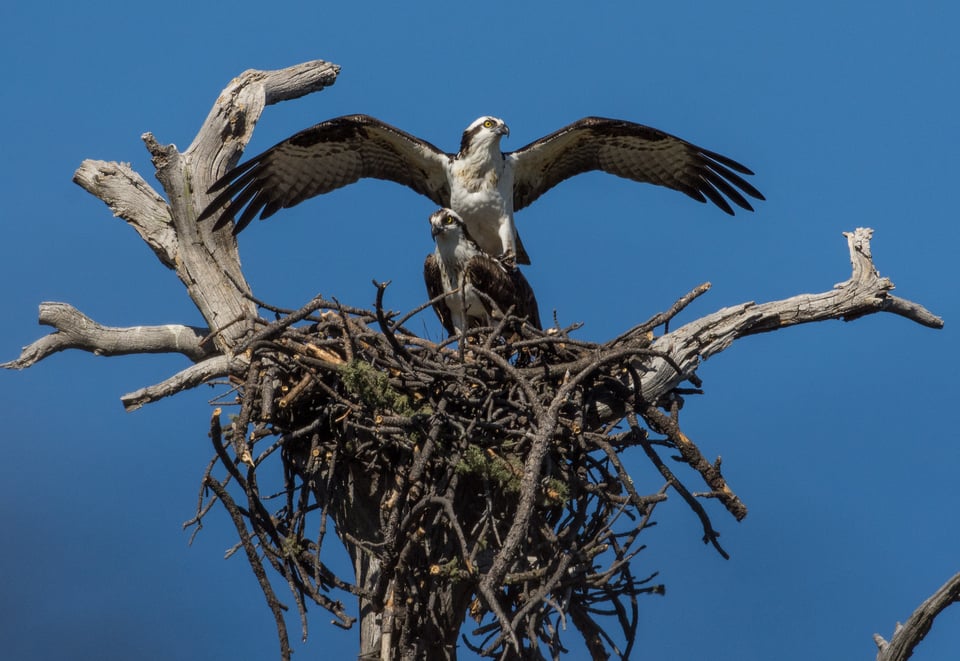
(217, 203)
(225, 218)
(694, 194)
(244, 220)
(228, 185)
(707, 189)
(736, 180)
(270, 208)
(726, 160)
(257, 201)
(727, 189)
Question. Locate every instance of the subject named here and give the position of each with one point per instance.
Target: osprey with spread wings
(482, 184)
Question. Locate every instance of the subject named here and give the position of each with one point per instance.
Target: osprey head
(483, 131)
(445, 224)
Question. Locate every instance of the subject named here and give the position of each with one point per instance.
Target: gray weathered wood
(907, 636)
(866, 292)
(206, 261)
(75, 330)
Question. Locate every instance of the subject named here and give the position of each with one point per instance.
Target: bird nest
(482, 476)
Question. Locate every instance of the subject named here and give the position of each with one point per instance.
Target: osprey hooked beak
(494, 125)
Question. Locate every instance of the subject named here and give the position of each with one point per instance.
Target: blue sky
(839, 437)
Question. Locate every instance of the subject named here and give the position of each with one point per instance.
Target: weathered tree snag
(907, 636)
(486, 482)
(206, 261)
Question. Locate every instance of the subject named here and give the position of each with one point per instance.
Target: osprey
(480, 182)
(461, 269)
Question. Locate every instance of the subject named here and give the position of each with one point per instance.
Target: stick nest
(482, 477)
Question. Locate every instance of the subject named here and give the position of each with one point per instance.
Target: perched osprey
(481, 183)
(458, 262)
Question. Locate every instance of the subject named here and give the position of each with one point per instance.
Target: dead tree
(484, 482)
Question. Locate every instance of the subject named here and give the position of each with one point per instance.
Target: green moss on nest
(506, 472)
(373, 387)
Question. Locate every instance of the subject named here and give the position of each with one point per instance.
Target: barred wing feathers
(633, 151)
(324, 157)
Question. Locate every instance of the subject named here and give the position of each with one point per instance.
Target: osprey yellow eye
(488, 124)
(448, 220)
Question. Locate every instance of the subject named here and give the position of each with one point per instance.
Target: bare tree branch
(864, 293)
(191, 377)
(907, 636)
(75, 330)
(135, 201)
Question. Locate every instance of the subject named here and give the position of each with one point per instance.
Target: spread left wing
(324, 157)
(632, 151)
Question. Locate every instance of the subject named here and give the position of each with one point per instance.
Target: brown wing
(632, 151)
(526, 300)
(431, 278)
(506, 287)
(323, 158)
